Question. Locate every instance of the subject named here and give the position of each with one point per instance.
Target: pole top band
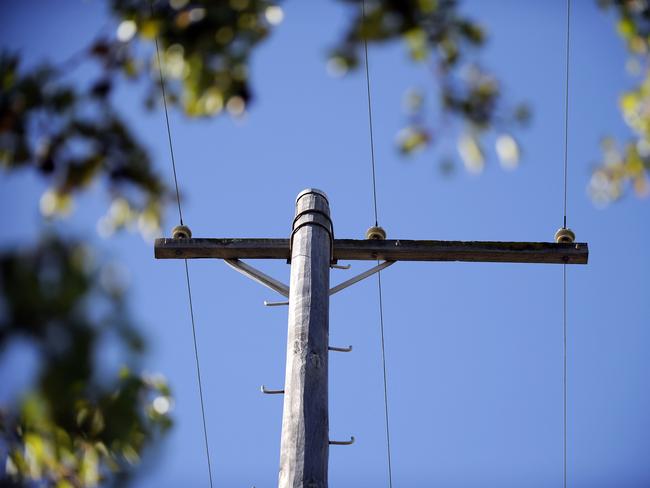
(307, 191)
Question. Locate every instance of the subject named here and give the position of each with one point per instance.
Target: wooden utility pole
(312, 250)
(305, 421)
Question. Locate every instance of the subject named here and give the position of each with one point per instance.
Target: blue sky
(474, 351)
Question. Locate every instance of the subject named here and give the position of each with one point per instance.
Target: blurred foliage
(438, 36)
(205, 48)
(73, 138)
(76, 427)
(627, 165)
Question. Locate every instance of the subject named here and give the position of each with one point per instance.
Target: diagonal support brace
(256, 275)
(275, 285)
(359, 277)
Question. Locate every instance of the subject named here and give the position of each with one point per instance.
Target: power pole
(305, 421)
(312, 250)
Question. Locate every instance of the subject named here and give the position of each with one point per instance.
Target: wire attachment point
(376, 233)
(181, 232)
(565, 235)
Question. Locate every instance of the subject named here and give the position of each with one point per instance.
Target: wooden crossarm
(388, 250)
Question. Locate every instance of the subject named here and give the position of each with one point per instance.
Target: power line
(187, 272)
(372, 141)
(198, 371)
(169, 132)
(383, 361)
(379, 289)
(564, 278)
(566, 104)
(564, 379)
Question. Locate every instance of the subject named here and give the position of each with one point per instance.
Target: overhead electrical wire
(566, 104)
(379, 289)
(187, 272)
(564, 307)
(372, 140)
(383, 362)
(169, 132)
(564, 277)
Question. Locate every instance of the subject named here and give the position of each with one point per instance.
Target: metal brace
(360, 277)
(275, 285)
(256, 275)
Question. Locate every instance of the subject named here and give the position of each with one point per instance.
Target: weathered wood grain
(389, 250)
(304, 446)
(221, 248)
(475, 251)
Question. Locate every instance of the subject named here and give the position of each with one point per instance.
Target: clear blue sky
(474, 351)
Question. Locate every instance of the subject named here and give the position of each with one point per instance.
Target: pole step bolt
(376, 233)
(564, 236)
(181, 232)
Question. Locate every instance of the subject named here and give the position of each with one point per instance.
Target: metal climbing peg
(342, 443)
(271, 392)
